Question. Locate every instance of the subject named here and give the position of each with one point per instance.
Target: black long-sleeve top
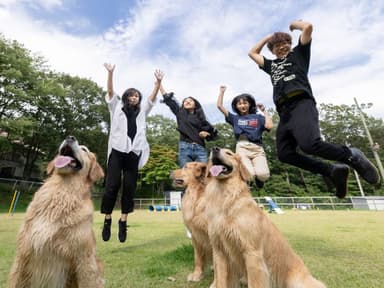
(190, 124)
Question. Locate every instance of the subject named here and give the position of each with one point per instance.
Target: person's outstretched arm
(255, 51)
(110, 68)
(268, 120)
(220, 101)
(169, 100)
(159, 76)
(305, 28)
(162, 90)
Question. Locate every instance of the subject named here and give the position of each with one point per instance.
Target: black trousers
(120, 166)
(299, 129)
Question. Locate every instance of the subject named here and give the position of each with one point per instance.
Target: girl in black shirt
(193, 127)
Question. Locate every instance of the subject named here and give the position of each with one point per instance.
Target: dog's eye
(84, 149)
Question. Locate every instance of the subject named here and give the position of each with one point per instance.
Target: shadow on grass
(154, 242)
(172, 268)
(168, 263)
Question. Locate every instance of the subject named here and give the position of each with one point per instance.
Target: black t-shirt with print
(290, 73)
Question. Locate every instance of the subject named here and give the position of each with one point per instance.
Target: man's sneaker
(339, 178)
(259, 184)
(363, 166)
(106, 234)
(122, 234)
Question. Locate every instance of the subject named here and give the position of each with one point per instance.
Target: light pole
(374, 151)
(359, 183)
(357, 179)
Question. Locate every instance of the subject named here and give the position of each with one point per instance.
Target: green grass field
(341, 248)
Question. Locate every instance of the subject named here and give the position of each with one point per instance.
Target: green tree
(63, 105)
(155, 174)
(83, 113)
(39, 108)
(162, 131)
(225, 139)
(342, 124)
(18, 73)
(20, 77)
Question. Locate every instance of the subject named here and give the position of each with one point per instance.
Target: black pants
(299, 128)
(125, 164)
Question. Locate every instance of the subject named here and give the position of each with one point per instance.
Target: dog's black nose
(70, 138)
(215, 149)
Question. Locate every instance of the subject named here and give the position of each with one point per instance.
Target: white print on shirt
(289, 78)
(278, 71)
(254, 123)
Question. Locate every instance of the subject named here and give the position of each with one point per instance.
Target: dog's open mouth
(219, 168)
(178, 182)
(67, 158)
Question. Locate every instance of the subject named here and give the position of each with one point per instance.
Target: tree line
(40, 107)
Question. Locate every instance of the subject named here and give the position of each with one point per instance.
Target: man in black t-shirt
(298, 127)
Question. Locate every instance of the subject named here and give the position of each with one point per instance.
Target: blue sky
(80, 17)
(201, 44)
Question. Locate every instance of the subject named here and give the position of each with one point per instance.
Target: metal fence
(23, 185)
(303, 203)
(317, 202)
(314, 202)
(326, 202)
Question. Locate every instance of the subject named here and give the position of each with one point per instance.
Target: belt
(190, 142)
(287, 97)
(244, 138)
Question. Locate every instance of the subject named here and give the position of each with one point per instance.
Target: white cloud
(44, 4)
(213, 39)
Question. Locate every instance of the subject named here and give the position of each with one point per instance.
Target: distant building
(12, 164)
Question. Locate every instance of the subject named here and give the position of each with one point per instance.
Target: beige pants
(254, 159)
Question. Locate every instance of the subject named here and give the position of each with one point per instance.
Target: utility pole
(358, 180)
(374, 151)
(359, 183)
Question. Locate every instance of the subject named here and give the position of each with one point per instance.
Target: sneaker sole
(117, 237)
(367, 169)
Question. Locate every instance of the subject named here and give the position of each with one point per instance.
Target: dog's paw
(195, 277)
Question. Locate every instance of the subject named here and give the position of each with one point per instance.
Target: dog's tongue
(216, 170)
(62, 161)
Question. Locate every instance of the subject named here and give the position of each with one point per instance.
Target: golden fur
(243, 238)
(191, 177)
(56, 244)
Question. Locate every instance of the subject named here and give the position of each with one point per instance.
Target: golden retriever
(56, 244)
(243, 238)
(191, 177)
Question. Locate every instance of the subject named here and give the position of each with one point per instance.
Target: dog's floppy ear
(244, 173)
(50, 167)
(95, 172)
(201, 173)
